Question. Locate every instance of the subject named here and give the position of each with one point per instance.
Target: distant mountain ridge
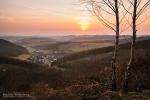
(9, 49)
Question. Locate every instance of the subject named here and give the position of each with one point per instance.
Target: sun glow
(84, 26)
(84, 22)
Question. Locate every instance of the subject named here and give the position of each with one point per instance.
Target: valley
(82, 67)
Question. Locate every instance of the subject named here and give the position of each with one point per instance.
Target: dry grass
(23, 57)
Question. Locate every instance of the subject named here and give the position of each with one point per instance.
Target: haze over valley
(74, 50)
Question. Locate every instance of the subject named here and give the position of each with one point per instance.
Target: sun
(84, 23)
(84, 26)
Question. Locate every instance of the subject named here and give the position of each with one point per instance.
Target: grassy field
(23, 57)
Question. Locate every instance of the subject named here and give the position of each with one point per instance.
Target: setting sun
(84, 23)
(84, 26)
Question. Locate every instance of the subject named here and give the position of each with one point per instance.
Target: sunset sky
(51, 17)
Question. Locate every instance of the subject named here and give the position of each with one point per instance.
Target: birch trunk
(132, 52)
(114, 58)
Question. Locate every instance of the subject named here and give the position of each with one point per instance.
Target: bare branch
(127, 10)
(143, 21)
(143, 8)
(103, 20)
(139, 2)
(131, 2)
(109, 5)
(125, 14)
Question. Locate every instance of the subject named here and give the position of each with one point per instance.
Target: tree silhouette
(138, 8)
(106, 11)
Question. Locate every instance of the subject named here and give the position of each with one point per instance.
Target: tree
(101, 9)
(139, 6)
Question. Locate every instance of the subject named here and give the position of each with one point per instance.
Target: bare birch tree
(101, 9)
(138, 7)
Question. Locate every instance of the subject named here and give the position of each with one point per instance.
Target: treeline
(17, 75)
(10, 49)
(25, 64)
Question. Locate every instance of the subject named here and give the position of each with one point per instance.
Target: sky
(51, 17)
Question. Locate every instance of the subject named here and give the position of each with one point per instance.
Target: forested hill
(141, 44)
(12, 50)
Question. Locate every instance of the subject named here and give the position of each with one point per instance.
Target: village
(46, 59)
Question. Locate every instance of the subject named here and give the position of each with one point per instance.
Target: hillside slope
(33, 41)
(10, 49)
(17, 75)
(143, 44)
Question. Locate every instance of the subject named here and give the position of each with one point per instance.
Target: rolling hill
(33, 41)
(141, 44)
(87, 73)
(18, 75)
(9, 49)
(82, 38)
(94, 63)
